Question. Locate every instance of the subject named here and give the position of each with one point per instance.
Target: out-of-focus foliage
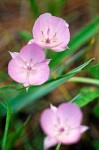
(96, 109)
(96, 145)
(16, 21)
(12, 138)
(86, 95)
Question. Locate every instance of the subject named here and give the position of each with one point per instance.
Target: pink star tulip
(50, 32)
(29, 66)
(62, 124)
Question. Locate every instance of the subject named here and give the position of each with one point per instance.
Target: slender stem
(6, 128)
(84, 80)
(58, 147)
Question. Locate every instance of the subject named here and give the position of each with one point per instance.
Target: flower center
(29, 68)
(47, 41)
(61, 130)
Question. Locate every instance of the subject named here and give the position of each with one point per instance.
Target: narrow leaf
(86, 96)
(6, 127)
(25, 35)
(14, 136)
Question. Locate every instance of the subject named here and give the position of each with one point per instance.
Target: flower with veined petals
(51, 32)
(62, 124)
(29, 66)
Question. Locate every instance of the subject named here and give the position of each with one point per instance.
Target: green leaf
(87, 32)
(25, 35)
(96, 144)
(14, 136)
(38, 136)
(6, 127)
(23, 98)
(94, 71)
(86, 95)
(58, 147)
(70, 61)
(35, 8)
(96, 109)
(85, 80)
(54, 7)
(3, 76)
(81, 66)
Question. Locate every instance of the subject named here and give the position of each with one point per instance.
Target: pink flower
(29, 66)
(62, 124)
(51, 32)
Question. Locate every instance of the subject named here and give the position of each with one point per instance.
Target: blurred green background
(16, 21)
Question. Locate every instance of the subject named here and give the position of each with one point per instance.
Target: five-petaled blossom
(29, 66)
(62, 124)
(51, 32)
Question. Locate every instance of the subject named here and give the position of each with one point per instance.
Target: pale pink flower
(51, 32)
(62, 124)
(29, 66)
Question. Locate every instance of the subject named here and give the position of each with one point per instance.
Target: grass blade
(6, 127)
(84, 80)
(14, 136)
(35, 8)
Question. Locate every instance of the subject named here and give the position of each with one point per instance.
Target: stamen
(29, 68)
(42, 33)
(48, 30)
(61, 130)
(47, 41)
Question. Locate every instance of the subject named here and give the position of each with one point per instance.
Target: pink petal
(31, 41)
(59, 49)
(53, 108)
(57, 23)
(84, 128)
(70, 113)
(44, 46)
(40, 74)
(14, 54)
(32, 52)
(53, 46)
(47, 61)
(16, 71)
(48, 120)
(41, 24)
(63, 35)
(49, 142)
(73, 136)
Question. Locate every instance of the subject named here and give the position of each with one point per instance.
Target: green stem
(6, 128)
(84, 80)
(58, 147)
